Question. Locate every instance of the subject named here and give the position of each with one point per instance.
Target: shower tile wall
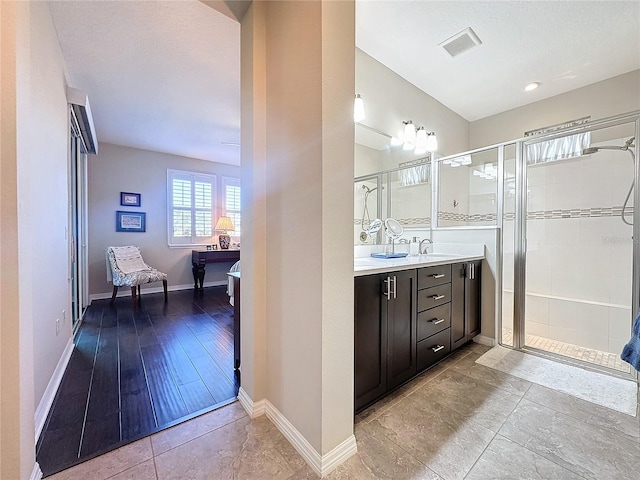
(579, 270)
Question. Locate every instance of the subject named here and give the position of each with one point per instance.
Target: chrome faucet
(426, 250)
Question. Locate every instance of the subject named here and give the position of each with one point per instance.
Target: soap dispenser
(414, 247)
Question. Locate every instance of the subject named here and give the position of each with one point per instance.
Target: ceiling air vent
(461, 42)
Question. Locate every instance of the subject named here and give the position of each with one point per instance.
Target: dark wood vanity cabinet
(465, 302)
(385, 333)
(407, 321)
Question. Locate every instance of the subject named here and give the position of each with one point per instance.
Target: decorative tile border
(407, 222)
(593, 212)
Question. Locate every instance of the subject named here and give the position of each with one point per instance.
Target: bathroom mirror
(390, 182)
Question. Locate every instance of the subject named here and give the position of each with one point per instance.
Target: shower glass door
(578, 251)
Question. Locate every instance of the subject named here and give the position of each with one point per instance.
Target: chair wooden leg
(164, 286)
(113, 296)
(133, 296)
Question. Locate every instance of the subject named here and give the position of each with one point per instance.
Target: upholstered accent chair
(126, 268)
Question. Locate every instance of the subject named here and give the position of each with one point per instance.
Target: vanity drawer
(434, 320)
(433, 349)
(431, 276)
(434, 296)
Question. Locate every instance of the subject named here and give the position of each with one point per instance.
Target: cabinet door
(370, 339)
(472, 300)
(458, 331)
(401, 329)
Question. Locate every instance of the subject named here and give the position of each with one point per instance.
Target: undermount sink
(439, 255)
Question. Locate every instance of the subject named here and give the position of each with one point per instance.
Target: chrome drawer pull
(437, 349)
(438, 275)
(437, 297)
(435, 321)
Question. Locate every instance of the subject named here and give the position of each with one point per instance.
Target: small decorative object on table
(224, 225)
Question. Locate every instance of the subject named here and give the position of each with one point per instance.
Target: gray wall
(610, 97)
(122, 169)
(389, 100)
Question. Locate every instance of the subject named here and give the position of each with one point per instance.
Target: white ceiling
(161, 76)
(563, 44)
(165, 76)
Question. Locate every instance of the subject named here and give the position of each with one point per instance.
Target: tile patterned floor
(459, 420)
(596, 357)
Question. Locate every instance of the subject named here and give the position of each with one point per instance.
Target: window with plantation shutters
(231, 208)
(191, 206)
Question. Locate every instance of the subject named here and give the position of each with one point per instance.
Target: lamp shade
(409, 137)
(432, 142)
(224, 224)
(358, 109)
(421, 139)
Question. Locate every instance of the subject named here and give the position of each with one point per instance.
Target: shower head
(628, 144)
(369, 190)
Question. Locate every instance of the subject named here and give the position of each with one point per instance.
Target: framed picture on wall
(128, 199)
(131, 221)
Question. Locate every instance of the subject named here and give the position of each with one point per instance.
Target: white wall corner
(482, 340)
(40, 415)
(253, 409)
(36, 473)
(320, 464)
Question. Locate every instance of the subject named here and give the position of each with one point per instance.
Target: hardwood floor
(135, 372)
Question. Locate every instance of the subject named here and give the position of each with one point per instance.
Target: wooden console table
(199, 258)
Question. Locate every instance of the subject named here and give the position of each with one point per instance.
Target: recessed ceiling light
(531, 86)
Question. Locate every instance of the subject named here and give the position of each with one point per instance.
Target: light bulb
(358, 109)
(432, 142)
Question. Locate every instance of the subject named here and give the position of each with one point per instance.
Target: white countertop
(369, 266)
(443, 254)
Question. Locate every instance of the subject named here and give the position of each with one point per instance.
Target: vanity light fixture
(432, 142)
(358, 109)
(531, 86)
(409, 137)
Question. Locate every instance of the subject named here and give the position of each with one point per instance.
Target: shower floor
(596, 357)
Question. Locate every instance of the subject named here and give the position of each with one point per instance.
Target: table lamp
(223, 225)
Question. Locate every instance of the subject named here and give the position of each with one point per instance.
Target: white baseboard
(482, 340)
(322, 465)
(126, 291)
(49, 395)
(36, 473)
(253, 409)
